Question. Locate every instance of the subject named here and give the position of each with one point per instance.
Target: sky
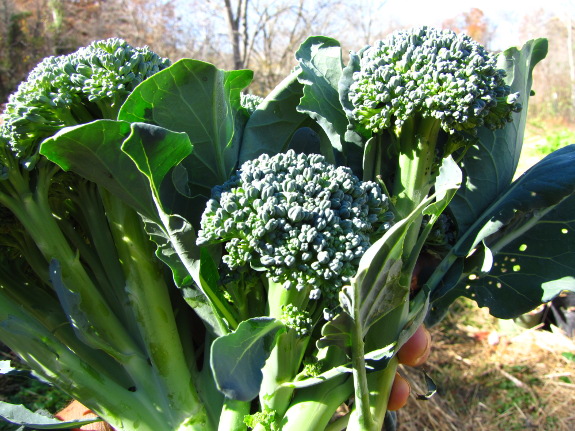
(506, 15)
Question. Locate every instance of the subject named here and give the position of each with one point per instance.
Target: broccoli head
(303, 221)
(433, 73)
(88, 84)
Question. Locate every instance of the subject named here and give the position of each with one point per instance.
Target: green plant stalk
(416, 169)
(45, 309)
(287, 355)
(312, 408)
(42, 351)
(384, 332)
(33, 210)
(282, 366)
(150, 301)
(232, 416)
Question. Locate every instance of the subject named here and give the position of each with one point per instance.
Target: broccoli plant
(308, 233)
(84, 248)
(304, 224)
(428, 91)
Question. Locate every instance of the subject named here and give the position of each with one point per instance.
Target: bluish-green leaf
(321, 65)
(531, 269)
(539, 189)
(20, 415)
(490, 165)
(203, 101)
(237, 358)
(93, 151)
(529, 230)
(274, 125)
(156, 151)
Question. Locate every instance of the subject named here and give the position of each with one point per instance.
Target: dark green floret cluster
(91, 83)
(302, 220)
(435, 73)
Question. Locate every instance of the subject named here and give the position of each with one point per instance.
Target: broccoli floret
(89, 84)
(303, 221)
(297, 319)
(432, 73)
(250, 102)
(425, 92)
(264, 419)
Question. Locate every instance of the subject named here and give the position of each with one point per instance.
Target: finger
(416, 350)
(399, 393)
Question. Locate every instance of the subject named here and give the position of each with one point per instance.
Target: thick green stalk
(383, 333)
(416, 163)
(312, 408)
(44, 353)
(286, 357)
(232, 416)
(35, 214)
(362, 419)
(150, 301)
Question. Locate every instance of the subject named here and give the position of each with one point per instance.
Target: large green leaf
(273, 125)
(203, 101)
(20, 415)
(522, 244)
(489, 166)
(321, 69)
(531, 269)
(237, 358)
(93, 151)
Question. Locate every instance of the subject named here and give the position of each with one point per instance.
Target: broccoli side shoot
(89, 84)
(422, 94)
(250, 102)
(301, 220)
(433, 73)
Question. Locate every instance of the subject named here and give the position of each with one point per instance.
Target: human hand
(413, 353)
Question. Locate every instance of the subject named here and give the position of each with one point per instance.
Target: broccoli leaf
(93, 151)
(207, 101)
(528, 228)
(321, 63)
(531, 269)
(276, 124)
(20, 415)
(237, 358)
(384, 274)
(489, 165)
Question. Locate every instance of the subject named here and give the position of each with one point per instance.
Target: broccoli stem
(32, 209)
(384, 332)
(150, 301)
(56, 362)
(416, 163)
(286, 357)
(313, 407)
(233, 414)
(363, 417)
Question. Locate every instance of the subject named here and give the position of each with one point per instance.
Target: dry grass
(493, 376)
